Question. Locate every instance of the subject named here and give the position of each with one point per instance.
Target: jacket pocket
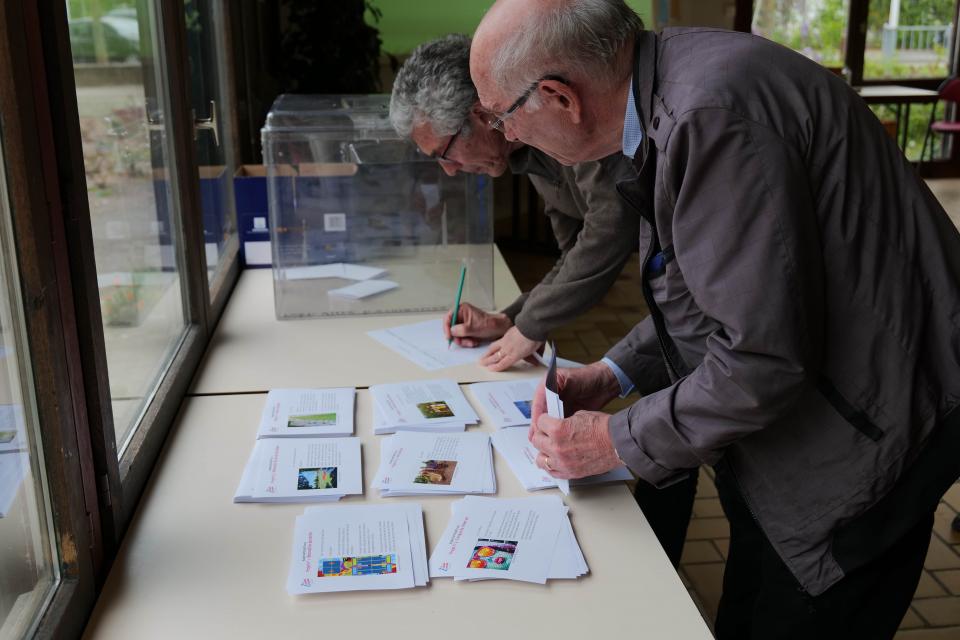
(852, 415)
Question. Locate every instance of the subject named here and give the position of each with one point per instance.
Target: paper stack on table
(362, 547)
(428, 405)
(521, 456)
(528, 539)
(423, 344)
(301, 470)
(307, 412)
(507, 402)
(442, 464)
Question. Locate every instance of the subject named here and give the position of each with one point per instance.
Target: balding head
(519, 41)
(557, 72)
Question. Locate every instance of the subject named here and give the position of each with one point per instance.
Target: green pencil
(456, 303)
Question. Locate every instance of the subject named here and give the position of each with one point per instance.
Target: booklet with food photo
(426, 463)
(427, 405)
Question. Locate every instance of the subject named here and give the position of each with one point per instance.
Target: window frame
(93, 493)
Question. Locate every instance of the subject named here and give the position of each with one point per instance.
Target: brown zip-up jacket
(808, 301)
(594, 227)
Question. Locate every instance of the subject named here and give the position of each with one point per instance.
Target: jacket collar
(529, 160)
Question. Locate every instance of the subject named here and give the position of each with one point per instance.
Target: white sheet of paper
(423, 463)
(508, 402)
(423, 344)
(307, 413)
(13, 435)
(351, 549)
(364, 289)
(521, 456)
(554, 403)
(511, 539)
(335, 270)
(415, 530)
(421, 405)
(301, 470)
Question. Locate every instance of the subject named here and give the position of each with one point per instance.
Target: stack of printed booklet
(427, 405)
(297, 457)
(361, 547)
(528, 539)
(435, 464)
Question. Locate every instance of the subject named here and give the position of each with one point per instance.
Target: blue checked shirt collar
(632, 130)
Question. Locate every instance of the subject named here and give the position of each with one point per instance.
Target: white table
(901, 97)
(195, 565)
(252, 351)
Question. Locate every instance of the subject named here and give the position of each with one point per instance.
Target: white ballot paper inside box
(426, 463)
(527, 539)
(515, 447)
(343, 270)
(554, 403)
(364, 289)
(428, 405)
(423, 344)
(507, 402)
(301, 470)
(301, 413)
(363, 547)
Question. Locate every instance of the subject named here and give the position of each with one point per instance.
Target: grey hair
(578, 38)
(434, 87)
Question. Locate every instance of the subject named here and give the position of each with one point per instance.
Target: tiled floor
(935, 612)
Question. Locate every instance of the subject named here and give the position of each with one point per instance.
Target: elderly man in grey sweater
(435, 103)
(804, 287)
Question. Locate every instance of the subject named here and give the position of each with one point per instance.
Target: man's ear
(561, 95)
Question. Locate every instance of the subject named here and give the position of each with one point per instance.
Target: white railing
(916, 38)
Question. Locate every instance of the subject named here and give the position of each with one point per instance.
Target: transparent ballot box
(361, 222)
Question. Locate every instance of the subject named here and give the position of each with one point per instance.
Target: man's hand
(575, 447)
(507, 351)
(590, 388)
(474, 325)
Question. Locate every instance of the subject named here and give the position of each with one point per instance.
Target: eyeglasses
(443, 156)
(522, 100)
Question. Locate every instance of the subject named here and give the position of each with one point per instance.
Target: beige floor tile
(928, 587)
(953, 497)
(911, 620)
(943, 524)
(928, 634)
(939, 612)
(705, 486)
(723, 546)
(707, 581)
(941, 555)
(698, 552)
(593, 339)
(950, 579)
(708, 529)
(707, 508)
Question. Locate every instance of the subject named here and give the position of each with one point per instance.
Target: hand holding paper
(509, 350)
(590, 388)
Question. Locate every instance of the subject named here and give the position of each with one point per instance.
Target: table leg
(906, 129)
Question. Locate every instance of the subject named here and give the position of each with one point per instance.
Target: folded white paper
(301, 470)
(511, 539)
(426, 463)
(334, 270)
(428, 405)
(423, 344)
(364, 289)
(307, 412)
(354, 548)
(508, 402)
(521, 456)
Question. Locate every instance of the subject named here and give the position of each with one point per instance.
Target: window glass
(908, 39)
(133, 209)
(28, 571)
(815, 28)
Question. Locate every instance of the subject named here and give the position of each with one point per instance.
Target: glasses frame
(522, 100)
(443, 155)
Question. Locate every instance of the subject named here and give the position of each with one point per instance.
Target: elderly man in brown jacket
(804, 287)
(435, 104)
